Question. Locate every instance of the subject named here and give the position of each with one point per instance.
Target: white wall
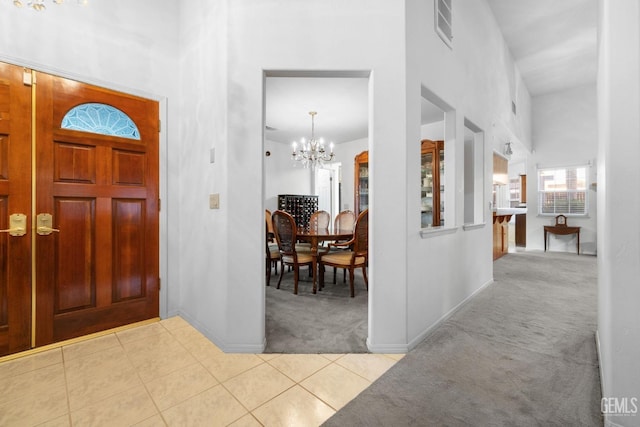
(106, 45)
(281, 176)
(433, 131)
(205, 234)
(618, 204)
(565, 133)
(477, 78)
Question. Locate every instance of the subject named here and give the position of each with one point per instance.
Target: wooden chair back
(284, 227)
(320, 220)
(267, 217)
(361, 234)
(345, 220)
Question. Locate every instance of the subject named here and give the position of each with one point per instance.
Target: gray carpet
(328, 322)
(521, 353)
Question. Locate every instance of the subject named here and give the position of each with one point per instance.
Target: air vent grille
(443, 18)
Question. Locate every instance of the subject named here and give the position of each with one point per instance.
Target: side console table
(561, 228)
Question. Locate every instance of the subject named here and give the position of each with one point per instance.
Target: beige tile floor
(168, 374)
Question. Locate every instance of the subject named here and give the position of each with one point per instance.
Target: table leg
(314, 262)
(545, 240)
(578, 244)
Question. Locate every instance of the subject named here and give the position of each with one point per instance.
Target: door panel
(128, 249)
(75, 261)
(15, 197)
(100, 270)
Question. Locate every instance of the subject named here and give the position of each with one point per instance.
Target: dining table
(315, 237)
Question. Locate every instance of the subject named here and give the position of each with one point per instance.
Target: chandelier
(312, 153)
(39, 5)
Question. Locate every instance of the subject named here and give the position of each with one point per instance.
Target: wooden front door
(15, 198)
(93, 231)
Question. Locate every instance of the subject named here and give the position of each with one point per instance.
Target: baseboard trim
(249, 349)
(422, 336)
(220, 343)
(607, 418)
(387, 348)
(600, 369)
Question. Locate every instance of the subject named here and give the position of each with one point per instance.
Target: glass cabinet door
(441, 182)
(432, 183)
(426, 172)
(361, 182)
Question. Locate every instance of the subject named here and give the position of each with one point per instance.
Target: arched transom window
(101, 119)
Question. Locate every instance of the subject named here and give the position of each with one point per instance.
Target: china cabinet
(432, 183)
(361, 185)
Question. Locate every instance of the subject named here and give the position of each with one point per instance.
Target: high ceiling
(553, 43)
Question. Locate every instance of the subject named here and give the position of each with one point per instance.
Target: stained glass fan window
(101, 119)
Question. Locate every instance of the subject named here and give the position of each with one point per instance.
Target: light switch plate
(214, 201)
(212, 155)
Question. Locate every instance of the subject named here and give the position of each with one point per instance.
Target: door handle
(45, 224)
(17, 225)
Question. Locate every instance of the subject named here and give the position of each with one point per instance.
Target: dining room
(315, 128)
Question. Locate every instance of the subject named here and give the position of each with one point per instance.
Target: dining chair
(272, 252)
(345, 220)
(356, 257)
(318, 221)
(284, 227)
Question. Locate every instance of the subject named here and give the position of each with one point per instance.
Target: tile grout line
(66, 385)
(159, 411)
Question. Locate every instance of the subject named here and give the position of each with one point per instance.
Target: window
(101, 119)
(443, 17)
(514, 192)
(563, 190)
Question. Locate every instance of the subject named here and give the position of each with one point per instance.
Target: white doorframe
(322, 187)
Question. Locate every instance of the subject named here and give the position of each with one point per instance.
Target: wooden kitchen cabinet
(500, 235)
(521, 230)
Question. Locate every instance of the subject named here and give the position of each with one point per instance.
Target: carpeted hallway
(521, 353)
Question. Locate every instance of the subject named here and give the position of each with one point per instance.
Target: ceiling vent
(443, 15)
